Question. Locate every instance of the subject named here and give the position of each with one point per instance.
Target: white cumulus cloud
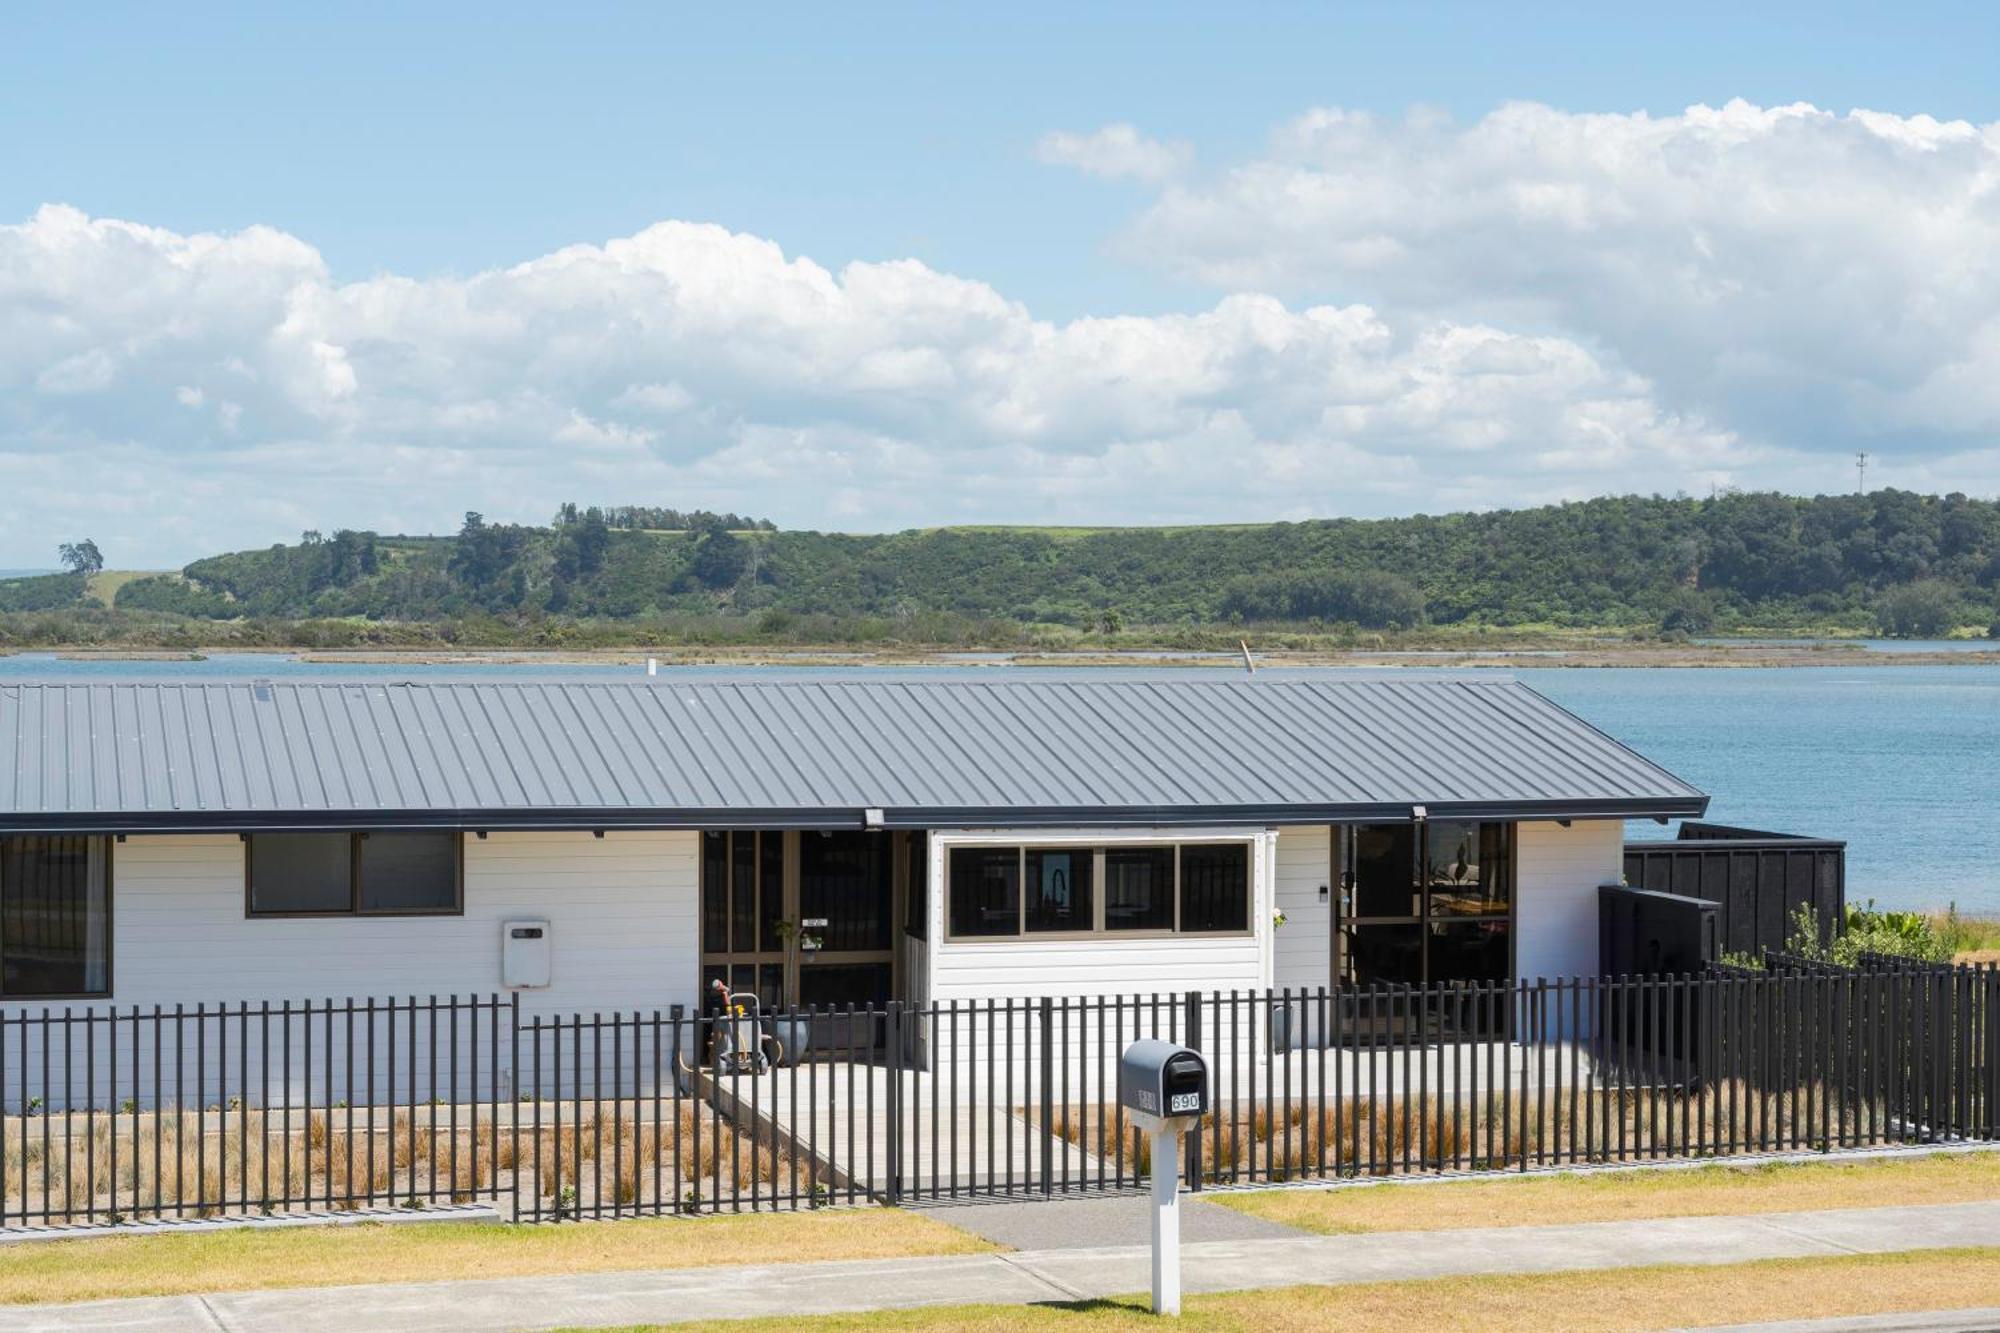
(1116, 152)
(171, 394)
(1816, 279)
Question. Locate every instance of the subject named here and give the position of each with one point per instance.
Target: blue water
(1868, 645)
(1901, 761)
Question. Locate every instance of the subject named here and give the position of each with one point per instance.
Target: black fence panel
(1757, 880)
(203, 1111)
(109, 1115)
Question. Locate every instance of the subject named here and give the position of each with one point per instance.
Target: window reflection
(1467, 868)
(1059, 889)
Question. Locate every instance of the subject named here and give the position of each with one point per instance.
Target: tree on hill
(81, 557)
(1614, 562)
(583, 542)
(1688, 613)
(1926, 609)
(483, 558)
(720, 558)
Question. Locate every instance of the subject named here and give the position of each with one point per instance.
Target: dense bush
(1687, 566)
(1367, 597)
(169, 593)
(1926, 609)
(43, 592)
(1867, 931)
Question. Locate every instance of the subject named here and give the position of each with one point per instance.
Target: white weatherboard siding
(622, 912)
(1302, 957)
(1558, 873)
(1029, 968)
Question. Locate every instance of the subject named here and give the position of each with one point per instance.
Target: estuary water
(1901, 761)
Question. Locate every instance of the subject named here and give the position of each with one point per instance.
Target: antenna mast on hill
(1861, 474)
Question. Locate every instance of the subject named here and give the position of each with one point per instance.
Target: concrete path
(677, 1296)
(1097, 1221)
(1928, 1321)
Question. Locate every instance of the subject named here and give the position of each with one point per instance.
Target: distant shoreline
(1579, 656)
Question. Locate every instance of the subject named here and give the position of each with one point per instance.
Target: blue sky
(387, 147)
(444, 142)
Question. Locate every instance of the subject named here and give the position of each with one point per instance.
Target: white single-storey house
(609, 846)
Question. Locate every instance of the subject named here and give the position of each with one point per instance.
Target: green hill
(1918, 564)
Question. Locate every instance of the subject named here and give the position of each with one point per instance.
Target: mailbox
(1164, 1090)
(1163, 1079)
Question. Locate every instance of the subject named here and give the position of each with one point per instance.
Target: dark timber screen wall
(1756, 879)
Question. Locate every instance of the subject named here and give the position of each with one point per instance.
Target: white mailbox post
(1164, 1090)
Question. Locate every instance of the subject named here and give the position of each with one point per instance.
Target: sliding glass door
(800, 918)
(1422, 903)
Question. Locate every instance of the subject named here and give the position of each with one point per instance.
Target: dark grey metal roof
(928, 753)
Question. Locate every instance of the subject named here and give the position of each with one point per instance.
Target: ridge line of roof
(662, 682)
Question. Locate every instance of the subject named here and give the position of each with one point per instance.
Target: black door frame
(1341, 859)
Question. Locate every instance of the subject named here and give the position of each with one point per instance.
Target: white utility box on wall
(527, 953)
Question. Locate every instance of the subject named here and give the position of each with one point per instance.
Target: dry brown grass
(243, 1260)
(1611, 1196)
(231, 1165)
(1398, 1135)
(1595, 1302)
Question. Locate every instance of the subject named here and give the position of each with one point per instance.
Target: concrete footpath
(1030, 1276)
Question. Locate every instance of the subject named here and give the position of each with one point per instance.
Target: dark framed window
(1426, 902)
(1215, 887)
(847, 879)
(1139, 888)
(1384, 856)
(354, 874)
(1468, 868)
(985, 891)
(55, 917)
(714, 895)
(1127, 889)
(742, 892)
(407, 872)
(1058, 889)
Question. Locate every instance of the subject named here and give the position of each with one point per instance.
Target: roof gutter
(576, 818)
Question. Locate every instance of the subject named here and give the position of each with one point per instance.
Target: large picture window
(1426, 902)
(354, 874)
(1125, 889)
(55, 917)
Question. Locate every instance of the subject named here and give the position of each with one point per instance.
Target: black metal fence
(199, 1110)
(112, 1115)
